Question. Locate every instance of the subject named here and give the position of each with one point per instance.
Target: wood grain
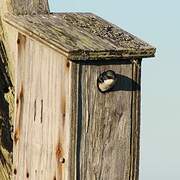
(5, 117)
(42, 120)
(8, 54)
(81, 36)
(104, 123)
(135, 126)
(19, 7)
(60, 113)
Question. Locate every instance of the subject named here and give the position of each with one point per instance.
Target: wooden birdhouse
(77, 107)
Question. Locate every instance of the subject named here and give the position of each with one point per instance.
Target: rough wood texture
(135, 126)
(6, 110)
(42, 121)
(81, 36)
(10, 42)
(21, 7)
(6, 97)
(105, 123)
(8, 55)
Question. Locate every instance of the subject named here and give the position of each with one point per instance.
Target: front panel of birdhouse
(107, 133)
(41, 127)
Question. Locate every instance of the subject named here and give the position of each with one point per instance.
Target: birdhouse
(77, 107)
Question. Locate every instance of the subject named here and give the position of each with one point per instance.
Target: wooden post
(7, 59)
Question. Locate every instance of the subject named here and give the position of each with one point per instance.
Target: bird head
(106, 80)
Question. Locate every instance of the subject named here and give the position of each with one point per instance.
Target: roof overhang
(81, 36)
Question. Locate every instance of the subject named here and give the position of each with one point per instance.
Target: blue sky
(157, 22)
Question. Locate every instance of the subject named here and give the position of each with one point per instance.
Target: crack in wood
(34, 110)
(41, 111)
(27, 174)
(19, 111)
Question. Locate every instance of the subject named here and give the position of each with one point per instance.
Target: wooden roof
(81, 36)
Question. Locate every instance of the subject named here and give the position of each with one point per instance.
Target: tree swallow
(106, 81)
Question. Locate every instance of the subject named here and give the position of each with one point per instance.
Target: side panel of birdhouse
(41, 126)
(107, 124)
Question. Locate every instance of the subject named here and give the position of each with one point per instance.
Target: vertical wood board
(41, 126)
(135, 129)
(104, 123)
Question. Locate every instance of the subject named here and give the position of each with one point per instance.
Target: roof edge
(111, 55)
(117, 54)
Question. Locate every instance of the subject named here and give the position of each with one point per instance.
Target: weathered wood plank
(19, 7)
(74, 106)
(6, 109)
(82, 36)
(42, 123)
(135, 130)
(104, 123)
(10, 43)
(8, 38)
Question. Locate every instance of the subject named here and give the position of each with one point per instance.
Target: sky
(156, 22)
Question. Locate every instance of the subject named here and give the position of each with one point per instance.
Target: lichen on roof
(82, 36)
